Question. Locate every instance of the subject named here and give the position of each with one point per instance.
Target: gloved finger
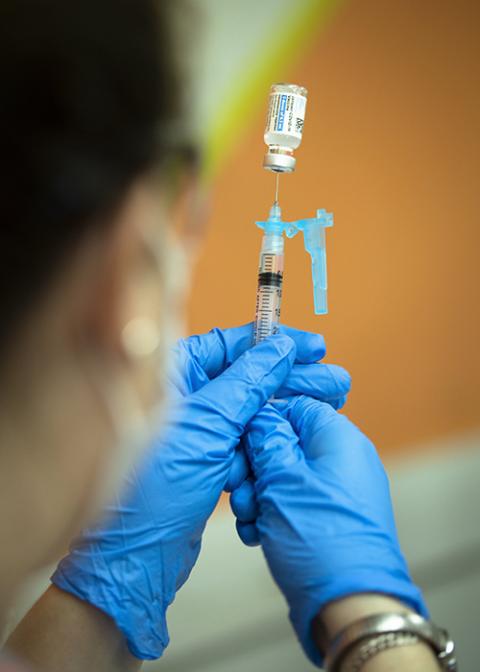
(226, 404)
(327, 382)
(238, 471)
(310, 347)
(338, 404)
(317, 424)
(283, 404)
(248, 533)
(243, 502)
(271, 444)
(217, 350)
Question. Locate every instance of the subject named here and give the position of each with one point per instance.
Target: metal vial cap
(279, 163)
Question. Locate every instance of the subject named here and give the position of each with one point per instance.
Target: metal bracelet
(392, 623)
(369, 648)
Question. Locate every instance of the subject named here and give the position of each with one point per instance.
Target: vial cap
(279, 163)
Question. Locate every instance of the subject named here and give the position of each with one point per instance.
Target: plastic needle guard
(314, 239)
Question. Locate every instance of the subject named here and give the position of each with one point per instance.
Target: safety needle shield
(271, 265)
(314, 240)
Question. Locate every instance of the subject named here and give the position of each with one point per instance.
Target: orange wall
(392, 147)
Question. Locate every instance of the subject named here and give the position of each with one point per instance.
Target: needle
(277, 179)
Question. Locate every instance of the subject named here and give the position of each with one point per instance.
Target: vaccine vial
(284, 127)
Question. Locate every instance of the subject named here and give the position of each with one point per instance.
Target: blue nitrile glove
(131, 564)
(325, 517)
(201, 358)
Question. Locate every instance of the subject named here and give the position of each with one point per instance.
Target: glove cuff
(302, 616)
(146, 633)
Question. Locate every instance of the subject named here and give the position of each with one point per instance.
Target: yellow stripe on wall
(283, 49)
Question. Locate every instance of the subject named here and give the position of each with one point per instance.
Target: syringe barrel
(269, 292)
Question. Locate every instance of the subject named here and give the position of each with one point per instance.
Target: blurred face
(86, 376)
(152, 293)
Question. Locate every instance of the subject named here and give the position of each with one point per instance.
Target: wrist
(63, 632)
(375, 632)
(341, 613)
(369, 591)
(141, 622)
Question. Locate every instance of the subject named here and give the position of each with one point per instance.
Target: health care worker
(94, 181)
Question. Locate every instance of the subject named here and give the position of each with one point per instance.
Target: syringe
(283, 134)
(270, 276)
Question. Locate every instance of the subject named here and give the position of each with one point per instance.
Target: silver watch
(401, 629)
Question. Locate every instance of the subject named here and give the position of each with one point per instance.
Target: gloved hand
(324, 514)
(131, 564)
(198, 359)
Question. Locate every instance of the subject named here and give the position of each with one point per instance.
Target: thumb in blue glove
(132, 563)
(200, 358)
(325, 518)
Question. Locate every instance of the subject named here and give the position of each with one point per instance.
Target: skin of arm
(338, 615)
(64, 634)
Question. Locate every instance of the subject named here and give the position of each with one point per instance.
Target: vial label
(286, 114)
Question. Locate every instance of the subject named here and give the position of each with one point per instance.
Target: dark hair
(86, 88)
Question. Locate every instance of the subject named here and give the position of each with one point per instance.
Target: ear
(112, 264)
